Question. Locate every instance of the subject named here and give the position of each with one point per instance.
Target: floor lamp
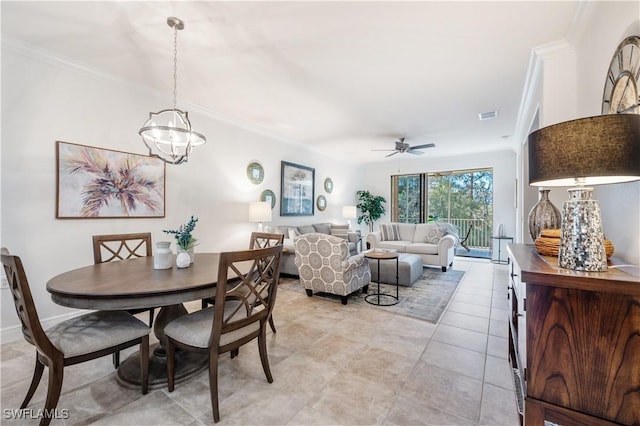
(589, 151)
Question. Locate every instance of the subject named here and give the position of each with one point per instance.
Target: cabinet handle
(514, 275)
(519, 314)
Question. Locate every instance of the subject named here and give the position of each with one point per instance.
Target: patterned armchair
(325, 266)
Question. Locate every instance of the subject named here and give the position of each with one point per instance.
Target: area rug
(426, 299)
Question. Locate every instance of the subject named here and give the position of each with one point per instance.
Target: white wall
(378, 179)
(44, 101)
(572, 88)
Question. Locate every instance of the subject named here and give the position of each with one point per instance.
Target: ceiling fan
(402, 146)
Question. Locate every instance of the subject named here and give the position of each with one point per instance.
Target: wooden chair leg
(171, 364)
(271, 324)
(262, 347)
(35, 381)
(56, 375)
(213, 385)
(144, 364)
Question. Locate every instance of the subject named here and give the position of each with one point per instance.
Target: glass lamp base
(581, 235)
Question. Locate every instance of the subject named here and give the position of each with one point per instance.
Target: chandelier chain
(175, 66)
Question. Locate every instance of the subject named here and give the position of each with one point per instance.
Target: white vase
(162, 257)
(191, 254)
(183, 260)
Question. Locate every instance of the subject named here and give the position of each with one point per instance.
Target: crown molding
(36, 53)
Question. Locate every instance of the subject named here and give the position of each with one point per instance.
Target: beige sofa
(434, 242)
(287, 263)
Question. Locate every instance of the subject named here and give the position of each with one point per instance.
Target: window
(463, 198)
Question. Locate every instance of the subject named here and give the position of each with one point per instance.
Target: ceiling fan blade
(383, 150)
(393, 153)
(427, 145)
(414, 152)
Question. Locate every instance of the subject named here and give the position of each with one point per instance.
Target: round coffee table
(383, 255)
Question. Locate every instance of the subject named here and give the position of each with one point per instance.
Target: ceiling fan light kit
(167, 133)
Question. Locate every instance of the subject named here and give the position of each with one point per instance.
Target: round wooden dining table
(133, 284)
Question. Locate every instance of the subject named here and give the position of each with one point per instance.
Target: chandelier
(168, 133)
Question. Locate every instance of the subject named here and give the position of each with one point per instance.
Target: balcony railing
(480, 236)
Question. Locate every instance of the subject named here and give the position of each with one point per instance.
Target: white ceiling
(340, 77)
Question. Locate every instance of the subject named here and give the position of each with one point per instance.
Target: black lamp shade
(597, 150)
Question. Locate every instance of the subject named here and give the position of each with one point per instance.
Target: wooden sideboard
(574, 341)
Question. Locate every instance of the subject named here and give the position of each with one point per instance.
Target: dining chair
(112, 247)
(262, 240)
(245, 297)
(73, 341)
(258, 240)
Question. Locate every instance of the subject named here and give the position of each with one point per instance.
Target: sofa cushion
(422, 248)
(389, 232)
(306, 229)
(323, 228)
(406, 231)
(434, 233)
(399, 246)
(340, 231)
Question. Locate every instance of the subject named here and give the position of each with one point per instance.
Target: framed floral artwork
(102, 183)
(297, 185)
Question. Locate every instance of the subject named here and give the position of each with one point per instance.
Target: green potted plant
(185, 241)
(371, 206)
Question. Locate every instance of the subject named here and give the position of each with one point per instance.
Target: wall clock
(621, 88)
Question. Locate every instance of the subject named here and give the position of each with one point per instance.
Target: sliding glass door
(463, 198)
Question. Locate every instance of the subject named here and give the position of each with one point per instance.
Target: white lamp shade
(260, 211)
(349, 212)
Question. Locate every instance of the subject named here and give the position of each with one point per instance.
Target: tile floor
(332, 365)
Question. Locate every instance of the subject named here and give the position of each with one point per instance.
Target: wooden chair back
(25, 308)
(244, 298)
(265, 239)
(107, 248)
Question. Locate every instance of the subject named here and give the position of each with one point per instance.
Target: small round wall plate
(255, 173)
(328, 185)
(269, 196)
(321, 202)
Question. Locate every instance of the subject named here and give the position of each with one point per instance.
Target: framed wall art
(321, 203)
(255, 173)
(328, 185)
(268, 196)
(297, 185)
(102, 183)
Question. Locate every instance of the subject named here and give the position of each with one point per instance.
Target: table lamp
(588, 151)
(349, 212)
(260, 211)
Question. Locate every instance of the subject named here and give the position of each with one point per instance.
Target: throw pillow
(390, 232)
(340, 231)
(306, 229)
(323, 228)
(434, 234)
(293, 233)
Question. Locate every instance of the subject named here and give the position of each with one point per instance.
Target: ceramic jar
(162, 257)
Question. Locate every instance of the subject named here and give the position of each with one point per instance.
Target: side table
(383, 255)
(499, 259)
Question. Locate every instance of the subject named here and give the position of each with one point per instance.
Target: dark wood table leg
(187, 363)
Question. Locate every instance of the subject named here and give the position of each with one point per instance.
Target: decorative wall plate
(255, 173)
(269, 196)
(328, 185)
(321, 203)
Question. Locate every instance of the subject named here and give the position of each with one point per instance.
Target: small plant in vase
(185, 241)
